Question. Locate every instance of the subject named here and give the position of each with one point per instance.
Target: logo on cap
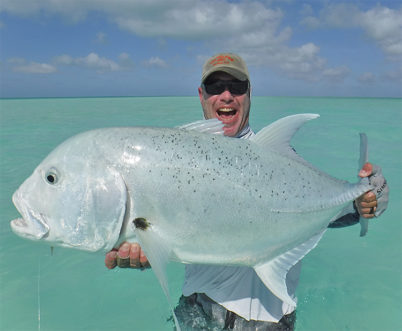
(221, 59)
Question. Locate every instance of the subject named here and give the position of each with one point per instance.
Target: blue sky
(57, 48)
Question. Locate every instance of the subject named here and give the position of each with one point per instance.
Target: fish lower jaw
(35, 229)
(18, 223)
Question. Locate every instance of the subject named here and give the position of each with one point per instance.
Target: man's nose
(226, 96)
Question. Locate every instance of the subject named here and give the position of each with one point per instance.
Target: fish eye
(51, 178)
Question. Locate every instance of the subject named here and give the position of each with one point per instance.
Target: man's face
(232, 109)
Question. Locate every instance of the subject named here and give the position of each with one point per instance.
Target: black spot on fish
(141, 223)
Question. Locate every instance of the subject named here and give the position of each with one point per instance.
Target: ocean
(347, 282)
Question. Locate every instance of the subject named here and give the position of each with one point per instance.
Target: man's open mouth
(226, 112)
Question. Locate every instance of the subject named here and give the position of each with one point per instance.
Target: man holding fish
(235, 297)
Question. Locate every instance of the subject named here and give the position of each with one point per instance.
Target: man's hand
(369, 202)
(129, 255)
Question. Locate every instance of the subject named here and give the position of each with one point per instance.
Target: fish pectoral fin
(157, 254)
(212, 126)
(273, 273)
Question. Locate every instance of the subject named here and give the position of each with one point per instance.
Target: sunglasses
(220, 86)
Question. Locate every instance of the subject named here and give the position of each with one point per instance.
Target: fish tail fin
(362, 160)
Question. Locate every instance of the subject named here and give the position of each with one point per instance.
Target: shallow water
(347, 282)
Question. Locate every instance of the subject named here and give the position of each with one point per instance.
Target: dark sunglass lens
(219, 87)
(238, 87)
(215, 88)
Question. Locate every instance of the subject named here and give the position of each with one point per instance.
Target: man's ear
(201, 93)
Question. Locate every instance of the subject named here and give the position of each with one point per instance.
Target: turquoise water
(347, 282)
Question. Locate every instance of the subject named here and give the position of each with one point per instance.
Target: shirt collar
(245, 133)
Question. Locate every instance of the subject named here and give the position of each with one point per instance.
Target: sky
(78, 48)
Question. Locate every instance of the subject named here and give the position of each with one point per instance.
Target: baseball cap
(230, 63)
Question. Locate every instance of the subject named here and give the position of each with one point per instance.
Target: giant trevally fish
(252, 202)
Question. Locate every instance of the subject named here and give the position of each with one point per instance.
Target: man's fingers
(369, 205)
(367, 215)
(124, 250)
(135, 250)
(366, 170)
(144, 260)
(367, 212)
(127, 256)
(377, 198)
(122, 258)
(369, 197)
(110, 259)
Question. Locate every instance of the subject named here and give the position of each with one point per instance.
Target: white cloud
(73, 10)
(250, 28)
(367, 78)
(195, 19)
(96, 62)
(306, 10)
(35, 68)
(21, 65)
(63, 59)
(191, 19)
(175, 18)
(155, 62)
(340, 15)
(125, 61)
(394, 76)
(384, 25)
(381, 24)
(336, 75)
(311, 22)
(16, 60)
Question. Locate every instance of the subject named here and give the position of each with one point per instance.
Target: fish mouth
(32, 225)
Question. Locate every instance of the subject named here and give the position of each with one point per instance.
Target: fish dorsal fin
(273, 273)
(212, 126)
(277, 135)
(157, 254)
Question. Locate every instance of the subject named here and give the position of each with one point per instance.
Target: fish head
(72, 199)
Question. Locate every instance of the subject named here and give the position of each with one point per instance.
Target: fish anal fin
(273, 273)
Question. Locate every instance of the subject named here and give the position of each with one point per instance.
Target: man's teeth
(226, 111)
